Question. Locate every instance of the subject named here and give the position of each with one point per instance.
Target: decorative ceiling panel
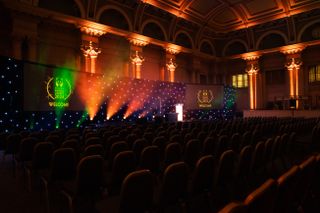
(233, 14)
(175, 3)
(226, 16)
(257, 7)
(203, 7)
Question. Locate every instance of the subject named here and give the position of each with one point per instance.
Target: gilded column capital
(172, 51)
(252, 69)
(293, 63)
(250, 58)
(90, 50)
(92, 31)
(137, 42)
(292, 49)
(137, 59)
(171, 65)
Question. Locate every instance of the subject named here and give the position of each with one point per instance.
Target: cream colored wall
(311, 56)
(184, 69)
(58, 46)
(274, 62)
(113, 57)
(153, 62)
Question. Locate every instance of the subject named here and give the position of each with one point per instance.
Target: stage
(282, 113)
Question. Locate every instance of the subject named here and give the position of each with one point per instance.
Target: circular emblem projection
(205, 98)
(58, 90)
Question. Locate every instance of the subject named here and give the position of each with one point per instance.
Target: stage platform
(282, 113)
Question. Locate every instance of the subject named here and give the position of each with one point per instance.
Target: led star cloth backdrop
(203, 97)
(38, 97)
(49, 88)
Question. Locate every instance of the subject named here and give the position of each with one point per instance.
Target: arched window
(235, 48)
(183, 40)
(154, 31)
(114, 18)
(271, 41)
(206, 48)
(311, 33)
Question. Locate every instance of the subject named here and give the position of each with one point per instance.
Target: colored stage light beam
(82, 119)
(92, 90)
(121, 91)
(63, 86)
(143, 114)
(141, 93)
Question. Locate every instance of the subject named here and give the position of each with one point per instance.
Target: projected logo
(205, 98)
(58, 90)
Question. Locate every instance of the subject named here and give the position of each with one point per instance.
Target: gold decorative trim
(92, 31)
(248, 57)
(172, 51)
(138, 42)
(292, 49)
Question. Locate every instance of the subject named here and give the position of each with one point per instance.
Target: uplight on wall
(179, 111)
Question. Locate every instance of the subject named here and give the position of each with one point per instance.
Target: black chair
(12, 146)
(173, 153)
(224, 181)
(138, 146)
(286, 190)
(150, 159)
(95, 149)
(221, 146)
(92, 141)
(55, 140)
(200, 195)
(160, 142)
(116, 148)
(235, 142)
(25, 152)
(137, 192)
(62, 168)
(41, 160)
(262, 199)
(234, 207)
(192, 152)
(242, 172)
(202, 180)
(87, 187)
(123, 163)
(257, 167)
(208, 146)
(174, 191)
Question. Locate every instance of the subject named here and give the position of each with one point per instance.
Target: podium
(172, 117)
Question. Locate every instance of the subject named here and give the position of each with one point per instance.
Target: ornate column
(90, 47)
(293, 65)
(137, 60)
(170, 63)
(90, 53)
(252, 71)
(136, 56)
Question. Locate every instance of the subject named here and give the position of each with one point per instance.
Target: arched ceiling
(229, 15)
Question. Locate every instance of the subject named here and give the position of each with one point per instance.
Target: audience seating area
(241, 165)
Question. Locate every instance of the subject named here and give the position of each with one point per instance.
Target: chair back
(150, 159)
(174, 184)
(137, 192)
(63, 164)
(202, 180)
(263, 198)
(89, 176)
